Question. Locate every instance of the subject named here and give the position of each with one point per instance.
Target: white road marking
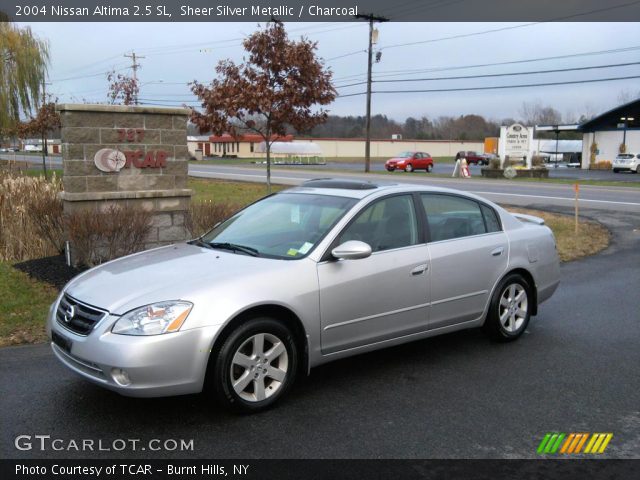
(555, 198)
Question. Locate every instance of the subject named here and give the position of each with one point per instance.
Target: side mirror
(352, 250)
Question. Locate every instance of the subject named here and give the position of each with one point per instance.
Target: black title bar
(319, 10)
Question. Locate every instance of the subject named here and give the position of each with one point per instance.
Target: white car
(627, 162)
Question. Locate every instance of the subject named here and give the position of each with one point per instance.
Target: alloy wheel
(259, 367)
(513, 307)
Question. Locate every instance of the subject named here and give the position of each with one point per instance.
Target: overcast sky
(180, 52)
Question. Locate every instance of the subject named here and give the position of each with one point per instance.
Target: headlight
(164, 317)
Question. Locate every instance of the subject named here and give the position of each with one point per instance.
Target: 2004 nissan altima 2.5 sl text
(312, 274)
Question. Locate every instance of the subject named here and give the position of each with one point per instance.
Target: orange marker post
(576, 188)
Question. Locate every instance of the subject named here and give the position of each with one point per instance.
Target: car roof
(360, 189)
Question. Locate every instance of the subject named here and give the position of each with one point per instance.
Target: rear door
(385, 295)
(468, 254)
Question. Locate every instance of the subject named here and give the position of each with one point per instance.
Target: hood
(397, 159)
(176, 272)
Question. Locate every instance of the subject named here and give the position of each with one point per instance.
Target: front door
(385, 295)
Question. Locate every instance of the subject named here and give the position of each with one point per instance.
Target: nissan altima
(315, 273)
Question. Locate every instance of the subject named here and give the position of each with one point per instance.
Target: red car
(410, 161)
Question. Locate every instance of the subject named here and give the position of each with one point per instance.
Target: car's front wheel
(510, 309)
(389, 169)
(408, 168)
(638, 169)
(255, 365)
(615, 170)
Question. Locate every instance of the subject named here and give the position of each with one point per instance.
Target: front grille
(78, 317)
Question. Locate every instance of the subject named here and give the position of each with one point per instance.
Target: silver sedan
(315, 273)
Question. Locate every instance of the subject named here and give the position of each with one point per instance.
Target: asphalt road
(454, 396)
(502, 191)
(562, 171)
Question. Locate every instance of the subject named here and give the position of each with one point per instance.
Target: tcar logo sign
(112, 160)
(109, 160)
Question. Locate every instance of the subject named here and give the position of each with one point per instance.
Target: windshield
(287, 225)
(625, 155)
(406, 155)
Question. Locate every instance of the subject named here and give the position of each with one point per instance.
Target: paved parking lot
(456, 396)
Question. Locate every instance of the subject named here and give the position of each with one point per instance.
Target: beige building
(246, 146)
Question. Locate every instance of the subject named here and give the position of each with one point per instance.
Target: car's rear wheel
(638, 169)
(408, 168)
(255, 365)
(510, 309)
(615, 170)
(429, 168)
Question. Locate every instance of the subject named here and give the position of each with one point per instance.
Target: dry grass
(592, 237)
(30, 217)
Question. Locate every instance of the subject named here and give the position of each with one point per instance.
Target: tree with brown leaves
(280, 84)
(122, 89)
(46, 120)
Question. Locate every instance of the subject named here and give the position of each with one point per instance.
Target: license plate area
(62, 342)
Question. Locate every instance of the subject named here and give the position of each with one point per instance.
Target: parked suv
(627, 162)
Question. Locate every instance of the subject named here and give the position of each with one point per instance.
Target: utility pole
(367, 145)
(134, 66)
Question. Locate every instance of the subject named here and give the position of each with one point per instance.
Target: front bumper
(158, 365)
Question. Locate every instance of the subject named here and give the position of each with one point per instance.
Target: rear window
(625, 155)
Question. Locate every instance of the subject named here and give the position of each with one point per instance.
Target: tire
(241, 355)
(638, 169)
(615, 170)
(408, 168)
(429, 168)
(390, 169)
(513, 325)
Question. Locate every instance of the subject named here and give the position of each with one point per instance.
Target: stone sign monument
(134, 157)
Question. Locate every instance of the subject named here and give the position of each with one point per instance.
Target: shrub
(601, 165)
(30, 217)
(537, 161)
(203, 216)
(494, 163)
(97, 236)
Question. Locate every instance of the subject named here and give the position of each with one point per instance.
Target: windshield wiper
(200, 243)
(235, 248)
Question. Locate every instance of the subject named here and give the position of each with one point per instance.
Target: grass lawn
(238, 193)
(24, 304)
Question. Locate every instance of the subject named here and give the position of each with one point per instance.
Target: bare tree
(122, 89)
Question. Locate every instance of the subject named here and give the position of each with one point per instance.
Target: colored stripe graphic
(573, 443)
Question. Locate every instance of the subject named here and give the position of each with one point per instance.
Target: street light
(624, 128)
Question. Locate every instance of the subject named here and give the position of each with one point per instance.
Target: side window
(450, 217)
(490, 219)
(386, 224)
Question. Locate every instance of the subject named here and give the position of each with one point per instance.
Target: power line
(499, 87)
(395, 73)
(509, 74)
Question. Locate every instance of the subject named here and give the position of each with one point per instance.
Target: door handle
(419, 270)
(497, 251)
